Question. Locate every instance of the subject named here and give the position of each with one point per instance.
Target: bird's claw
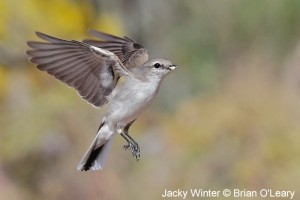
(135, 149)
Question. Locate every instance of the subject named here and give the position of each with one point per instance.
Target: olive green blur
(228, 117)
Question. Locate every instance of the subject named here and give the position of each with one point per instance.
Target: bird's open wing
(92, 71)
(129, 52)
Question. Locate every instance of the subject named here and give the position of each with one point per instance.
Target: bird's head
(158, 68)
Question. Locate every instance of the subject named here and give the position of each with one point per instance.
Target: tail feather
(102, 156)
(92, 157)
(96, 155)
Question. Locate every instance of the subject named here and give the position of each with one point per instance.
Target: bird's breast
(131, 100)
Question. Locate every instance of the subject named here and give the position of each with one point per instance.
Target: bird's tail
(96, 155)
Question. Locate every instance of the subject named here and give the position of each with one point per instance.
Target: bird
(108, 70)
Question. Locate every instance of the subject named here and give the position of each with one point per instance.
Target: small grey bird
(94, 68)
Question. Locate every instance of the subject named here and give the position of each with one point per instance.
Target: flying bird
(94, 69)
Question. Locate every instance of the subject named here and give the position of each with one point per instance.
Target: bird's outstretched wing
(92, 71)
(129, 52)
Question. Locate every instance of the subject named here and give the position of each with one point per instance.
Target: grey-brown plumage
(129, 52)
(93, 68)
(78, 65)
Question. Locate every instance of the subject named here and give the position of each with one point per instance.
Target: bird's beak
(172, 67)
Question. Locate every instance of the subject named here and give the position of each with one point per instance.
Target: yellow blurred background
(229, 117)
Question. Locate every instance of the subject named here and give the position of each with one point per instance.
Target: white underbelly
(130, 100)
(127, 111)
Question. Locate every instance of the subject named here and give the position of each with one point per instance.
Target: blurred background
(229, 117)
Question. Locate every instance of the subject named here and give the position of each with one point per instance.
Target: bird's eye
(156, 65)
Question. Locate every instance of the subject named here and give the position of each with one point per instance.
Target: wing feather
(129, 52)
(81, 66)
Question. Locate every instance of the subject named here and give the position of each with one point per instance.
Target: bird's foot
(135, 149)
(132, 145)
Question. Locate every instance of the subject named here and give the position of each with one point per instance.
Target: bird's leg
(129, 142)
(134, 147)
(132, 144)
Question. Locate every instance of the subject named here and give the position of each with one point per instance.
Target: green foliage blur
(228, 117)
